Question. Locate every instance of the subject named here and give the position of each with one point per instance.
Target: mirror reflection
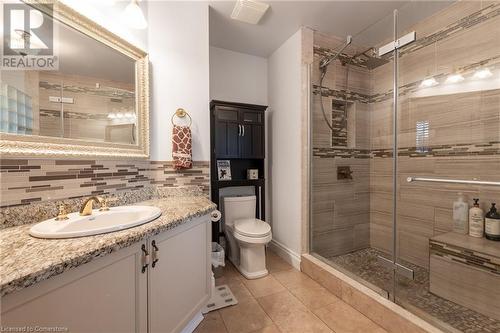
(91, 96)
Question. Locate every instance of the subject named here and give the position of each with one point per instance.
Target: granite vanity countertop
(25, 260)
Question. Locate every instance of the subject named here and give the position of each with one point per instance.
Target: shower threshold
(414, 294)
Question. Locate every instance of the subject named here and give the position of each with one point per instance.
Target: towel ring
(181, 113)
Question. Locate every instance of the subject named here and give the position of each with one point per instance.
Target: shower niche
(343, 123)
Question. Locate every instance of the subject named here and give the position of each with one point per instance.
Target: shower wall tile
(443, 220)
(340, 207)
(413, 248)
(381, 238)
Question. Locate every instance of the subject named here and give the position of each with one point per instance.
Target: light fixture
(482, 73)
(134, 17)
(428, 82)
(454, 78)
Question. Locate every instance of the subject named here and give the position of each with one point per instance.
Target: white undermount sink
(115, 219)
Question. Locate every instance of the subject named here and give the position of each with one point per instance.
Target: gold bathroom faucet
(86, 208)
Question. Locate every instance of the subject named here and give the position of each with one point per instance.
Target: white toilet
(246, 236)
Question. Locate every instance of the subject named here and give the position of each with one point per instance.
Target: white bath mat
(222, 297)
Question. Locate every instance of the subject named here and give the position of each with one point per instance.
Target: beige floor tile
(274, 263)
(281, 306)
(212, 323)
(244, 317)
(293, 279)
(290, 315)
(239, 290)
(303, 322)
(314, 298)
(229, 272)
(342, 318)
(263, 286)
(269, 329)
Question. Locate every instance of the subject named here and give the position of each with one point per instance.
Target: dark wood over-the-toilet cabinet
(237, 133)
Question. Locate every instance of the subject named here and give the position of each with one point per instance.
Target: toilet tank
(236, 208)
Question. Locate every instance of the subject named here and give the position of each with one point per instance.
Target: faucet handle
(105, 204)
(63, 213)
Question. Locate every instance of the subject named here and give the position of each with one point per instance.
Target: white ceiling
(368, 21)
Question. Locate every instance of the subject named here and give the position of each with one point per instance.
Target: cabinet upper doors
(239, 133)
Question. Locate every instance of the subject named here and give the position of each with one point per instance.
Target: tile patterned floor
(285, 301)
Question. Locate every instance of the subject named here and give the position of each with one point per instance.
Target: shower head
(323, 64)
(369, 59)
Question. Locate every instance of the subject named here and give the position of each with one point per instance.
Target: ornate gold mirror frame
(15, 145)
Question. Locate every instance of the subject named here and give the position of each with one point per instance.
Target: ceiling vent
(249, 11)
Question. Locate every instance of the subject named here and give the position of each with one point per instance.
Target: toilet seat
(253, 228)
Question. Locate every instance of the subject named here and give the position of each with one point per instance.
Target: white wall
(284, 121)
(179, 56)
(237, 77)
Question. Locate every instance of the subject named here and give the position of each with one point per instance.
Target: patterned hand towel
(181, 147)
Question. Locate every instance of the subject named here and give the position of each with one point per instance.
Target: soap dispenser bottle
(476, 221)
(492, 224)
(460, 215)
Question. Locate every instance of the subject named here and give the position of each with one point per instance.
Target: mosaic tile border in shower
(341, 152)
(456, 150)
(465, 256)
(467, 22)
(25, 181)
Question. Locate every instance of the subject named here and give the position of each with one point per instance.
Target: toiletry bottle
(476, 221)
(492, 224)
(460, 215)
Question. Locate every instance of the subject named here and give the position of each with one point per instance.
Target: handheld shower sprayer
(323, 66)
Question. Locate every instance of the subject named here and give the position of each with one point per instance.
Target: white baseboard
(191, 326)
(285, 253)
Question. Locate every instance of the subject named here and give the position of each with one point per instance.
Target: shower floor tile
(415, 294)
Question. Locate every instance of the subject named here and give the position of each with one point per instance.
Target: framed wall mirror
(94, 103)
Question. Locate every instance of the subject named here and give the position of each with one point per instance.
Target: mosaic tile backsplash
(27, 181)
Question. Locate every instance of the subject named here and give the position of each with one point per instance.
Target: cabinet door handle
(145, 258)
(239, 130)
(156, 257)
(243, 127)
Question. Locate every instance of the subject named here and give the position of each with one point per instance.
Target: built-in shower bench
(466, 270)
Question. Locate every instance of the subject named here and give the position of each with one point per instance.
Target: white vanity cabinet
(137, 289)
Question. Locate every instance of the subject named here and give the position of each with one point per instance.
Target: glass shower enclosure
(406, 117)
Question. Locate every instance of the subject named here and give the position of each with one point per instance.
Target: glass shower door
(449, 147)
(351, 210)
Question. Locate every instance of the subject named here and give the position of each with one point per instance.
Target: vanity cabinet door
(105, 295)
(180, 279)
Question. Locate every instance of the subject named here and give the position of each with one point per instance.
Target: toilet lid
(252, 227)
